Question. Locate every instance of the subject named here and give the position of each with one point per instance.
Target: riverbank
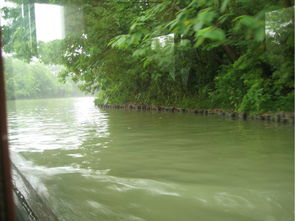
(279, 117)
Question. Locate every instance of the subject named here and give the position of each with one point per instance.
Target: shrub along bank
(201, 54)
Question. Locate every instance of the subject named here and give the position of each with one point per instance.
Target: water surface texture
(94, 164)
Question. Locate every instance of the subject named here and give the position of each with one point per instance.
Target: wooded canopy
(232, 54)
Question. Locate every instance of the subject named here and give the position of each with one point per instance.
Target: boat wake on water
(29, 205)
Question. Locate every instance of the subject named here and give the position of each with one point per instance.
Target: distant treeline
(36, 80)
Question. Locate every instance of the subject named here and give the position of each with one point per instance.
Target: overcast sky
(49, 22)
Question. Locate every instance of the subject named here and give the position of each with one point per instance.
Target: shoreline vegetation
(207, 55)
(277, 117)
(36, 81)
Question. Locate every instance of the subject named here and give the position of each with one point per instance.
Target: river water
(94, 164)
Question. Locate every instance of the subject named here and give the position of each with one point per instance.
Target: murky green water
(93, 164)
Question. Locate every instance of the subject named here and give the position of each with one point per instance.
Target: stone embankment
(279, 117)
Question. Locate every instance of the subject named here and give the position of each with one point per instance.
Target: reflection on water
(93, 164)
(38, 129)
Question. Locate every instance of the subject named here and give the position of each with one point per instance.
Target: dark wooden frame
(6, 194)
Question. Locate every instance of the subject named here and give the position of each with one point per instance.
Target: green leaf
(199, 41)
(259, 34)
(224, 5)
(120, 41)
(206, 16)
(212, 33)
(246, 20)
(139, 52)
(185, 43)
(198, 26)
(135, 38)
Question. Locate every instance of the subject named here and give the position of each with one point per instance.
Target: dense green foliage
(232, 54)
(19, 36)
(34, 80)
